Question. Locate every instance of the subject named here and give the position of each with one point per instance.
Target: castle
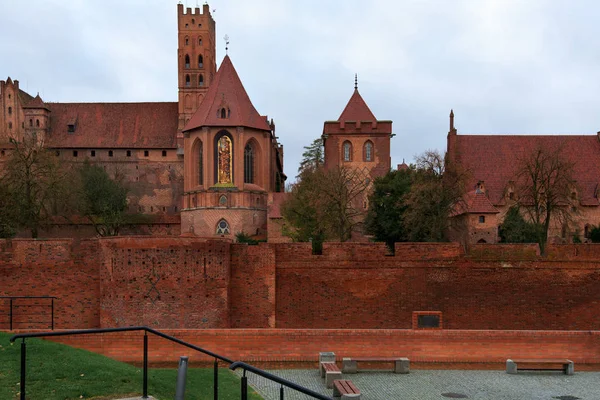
(208, 165)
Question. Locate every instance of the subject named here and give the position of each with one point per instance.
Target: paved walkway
(445, 384)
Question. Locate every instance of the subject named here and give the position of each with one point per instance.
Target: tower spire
(355, 81)
(451, 120)
(226, 38)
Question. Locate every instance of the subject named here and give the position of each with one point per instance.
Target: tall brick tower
(196, 65)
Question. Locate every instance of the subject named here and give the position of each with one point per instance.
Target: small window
(223, 113)
(10, 125)
(188, 81)
(193, 21)
(223, 200)
(187, 61)
(482, 219)
(200, 60)
(128, 153)
(369, 151)
(223, 227)
(141, 208)
(427, 320)
(93, 153)
(75, 153)
(164, 209)
(71, 128)
(23, 125)
(31, 122)
(57, 153)
(200, 80)
(151, 209)
(511, 195)
(199, 39)
(37, 123)
(574, 195)
(9, 110)
(164, 153)
(146, 153)
(2, 153)
(110, 153)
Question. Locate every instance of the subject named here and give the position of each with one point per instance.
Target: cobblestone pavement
(445, 384)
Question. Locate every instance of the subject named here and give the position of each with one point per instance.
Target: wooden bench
(330, 372)
(401, 364)
(514, 365)
(345, 389)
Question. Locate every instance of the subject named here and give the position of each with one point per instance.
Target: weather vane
(226, 38)
(356, 81)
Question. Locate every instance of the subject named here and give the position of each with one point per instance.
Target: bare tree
(545, 184)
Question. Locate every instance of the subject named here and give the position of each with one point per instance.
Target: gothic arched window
(188, 81)
(200, 152)
(200, 80)
(187, 61)
(223, 113)
(249, 163)
(223, 227)
(347, 147)
(200, 59)
(199, 41)
(368, 151)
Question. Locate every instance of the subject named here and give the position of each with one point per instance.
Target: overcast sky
(505, 66)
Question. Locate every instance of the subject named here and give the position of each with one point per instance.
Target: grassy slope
(56, 371)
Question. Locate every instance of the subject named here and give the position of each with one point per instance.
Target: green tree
(434, 192)
(545, 185)
(8, 212)
(36, 181)
(312, 157)
(325, 205)
(385, 218)
(514, 228)
(103, 200)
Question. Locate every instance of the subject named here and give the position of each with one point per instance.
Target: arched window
(10, 125)
(9, 110)
(223, 159)
(187, 61)
(222, 227)
(200, 163)
(368, 151)
(187, 39)
(223, 113)
(31, 122)
(200, 80)
(188, 81)
(199, 41)
(347, 151)
(37, 123)
(249, 163)
(200, 60)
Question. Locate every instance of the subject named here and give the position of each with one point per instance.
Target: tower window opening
(187, 61)
(10, 125)
(368, 151)
(146, 153)
(482, 219)
(347, 151)
(200, 164)
(110, 153)
(2, 153)
(75, 153)
(93, 153)
(188, 81)
(37, 123)
(200, 59)
(9, 110)
(200, 80)
(31, 122)
(128, 153)
(193, 21)
(199, 39)
(249, 164)
(164, 153)
(223, 113)
(70, 128)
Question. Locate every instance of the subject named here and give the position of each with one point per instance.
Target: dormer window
(223, 113)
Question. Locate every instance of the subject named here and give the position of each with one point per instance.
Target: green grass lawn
(56, 371)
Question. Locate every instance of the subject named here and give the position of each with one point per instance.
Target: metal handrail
(275, 378)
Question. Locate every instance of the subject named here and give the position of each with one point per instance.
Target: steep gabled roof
(494, 159)
(37, 102)
(474, 202)
(227, 91)
(357, 109)
(113, 125)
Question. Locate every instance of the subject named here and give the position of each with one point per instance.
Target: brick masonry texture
(303, 345)
(191, 283)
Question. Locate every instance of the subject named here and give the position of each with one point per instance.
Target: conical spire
(227, 93)
(357, 109)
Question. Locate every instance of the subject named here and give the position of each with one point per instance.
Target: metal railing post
(10, 314)
(216, 380)
(23, 368)
(244, 387)
(145, 383)
(281, 392)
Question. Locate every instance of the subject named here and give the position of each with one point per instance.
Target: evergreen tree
(312, 157)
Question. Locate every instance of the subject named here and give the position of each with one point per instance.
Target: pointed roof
(474, 202)
(357, 109)
(37, 102)
(227, 91)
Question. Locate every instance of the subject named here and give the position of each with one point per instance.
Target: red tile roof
(475, 202)
(113, 125)
(357, 109)
(36, 103)
(227, 91)
(494, 160)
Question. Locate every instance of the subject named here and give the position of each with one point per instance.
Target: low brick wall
(295, 346)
